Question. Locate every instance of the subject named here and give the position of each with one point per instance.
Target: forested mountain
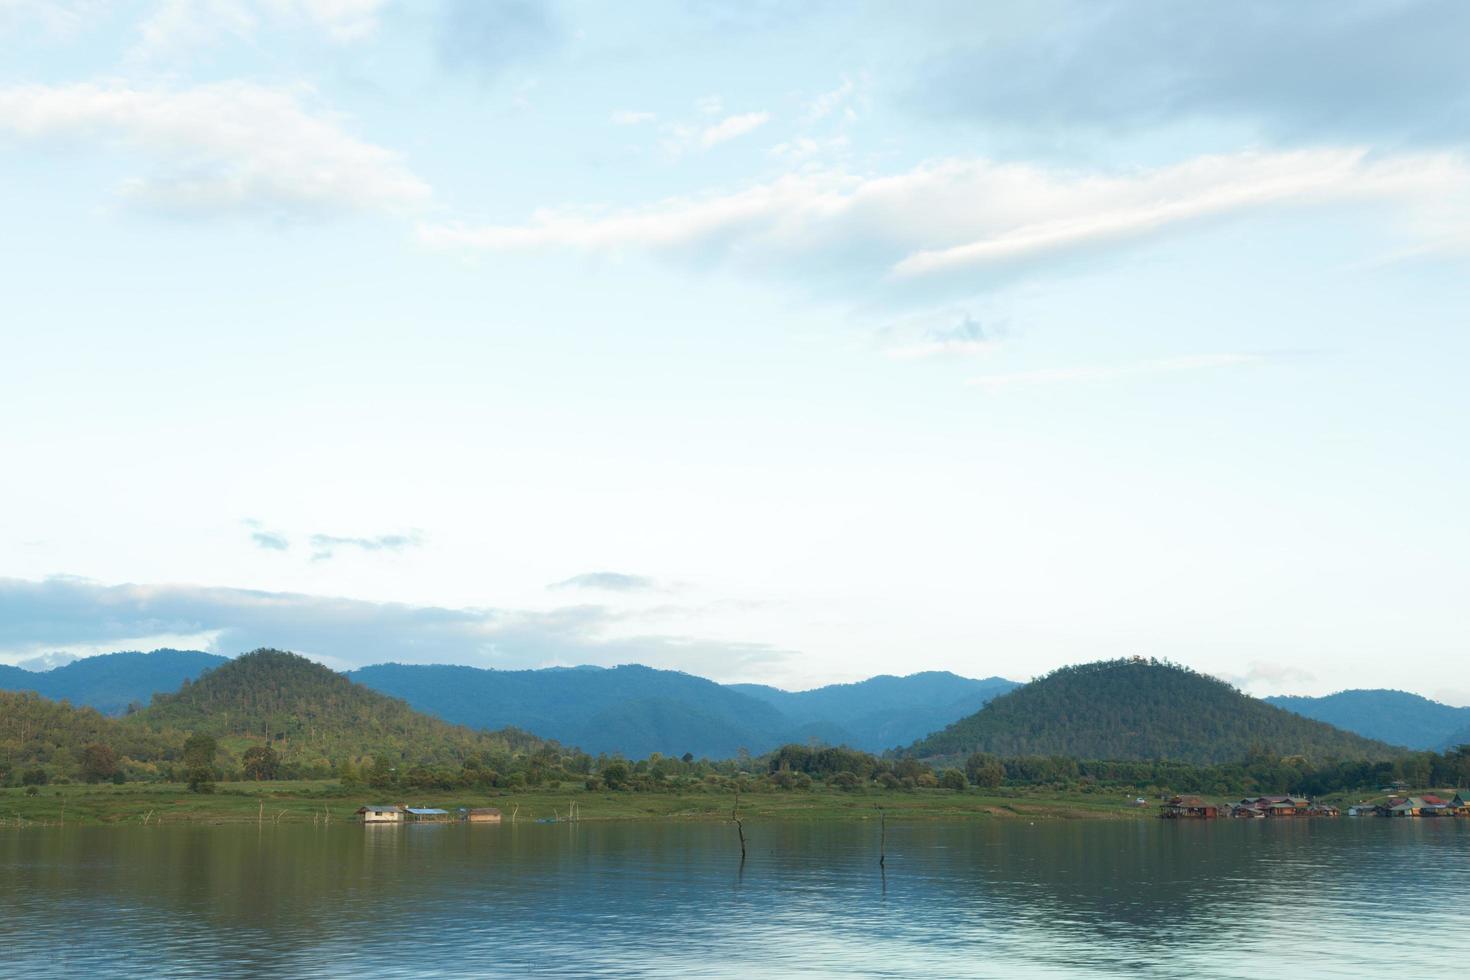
(635, 710)
(1396, 717)
(1141, 709)
(313, 715)
(631, 710)
(884, 711)
(111, 682)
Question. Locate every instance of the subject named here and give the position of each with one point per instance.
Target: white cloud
(227, 148)
(58, 17)
(630, 117)
(186, 23)
(1111, 372)
(959, 216)
(732, 127)
(829, 102)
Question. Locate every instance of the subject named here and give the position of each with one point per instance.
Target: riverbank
(317, 800)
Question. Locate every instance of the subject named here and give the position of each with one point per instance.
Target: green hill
(313, 715)
(110, 682)
(1144, 710)
(1396, 717)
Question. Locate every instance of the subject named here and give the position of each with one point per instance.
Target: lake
(994, 898)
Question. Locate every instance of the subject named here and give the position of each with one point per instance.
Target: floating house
(1278, 806)
(426, 814)
(380, 814)
(1188, 808)
(1404, 806)
(483, 814)
(1460, 805)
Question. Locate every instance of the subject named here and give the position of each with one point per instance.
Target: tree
(380, 776)
(99, 763)
(616, 775)
(954, 779)
(199, 752)
(985, 770)
(261, 762)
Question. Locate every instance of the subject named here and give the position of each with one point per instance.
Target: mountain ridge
(1137, 709)
(1385, 714)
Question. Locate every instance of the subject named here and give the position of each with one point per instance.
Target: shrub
(954, 779)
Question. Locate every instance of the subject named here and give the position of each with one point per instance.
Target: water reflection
(969, 899)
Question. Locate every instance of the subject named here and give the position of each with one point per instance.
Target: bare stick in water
(739, 827)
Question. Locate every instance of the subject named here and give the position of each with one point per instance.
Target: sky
(790, 343)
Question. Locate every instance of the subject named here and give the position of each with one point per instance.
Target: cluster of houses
(1264, 807)
(1427, 805)
(398, 813)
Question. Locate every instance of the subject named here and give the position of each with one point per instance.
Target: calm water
(993, 899)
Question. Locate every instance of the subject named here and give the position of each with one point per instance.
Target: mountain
(112, 681)
(1396, 717)
(884, 711)
(632, 710)
(635, 710)
(1456, 739)
(1140, 709)
(314, 715)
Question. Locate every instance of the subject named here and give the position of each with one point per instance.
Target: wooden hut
(483, 814)
(380, 814)
(1188, 808)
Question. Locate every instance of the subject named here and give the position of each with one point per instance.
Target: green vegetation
(312, 800)
(313, 718)
(1139, 709)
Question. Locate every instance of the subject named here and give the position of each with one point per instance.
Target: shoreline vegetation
(317, 801)
(326, 802)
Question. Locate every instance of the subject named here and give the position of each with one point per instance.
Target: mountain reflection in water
(984, 899)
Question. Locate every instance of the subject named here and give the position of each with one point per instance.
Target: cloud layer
(37, 617)
(1309, 70)
(223, 149)
(606, 581)
(962, 217)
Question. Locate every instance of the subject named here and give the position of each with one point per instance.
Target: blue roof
(426, 811)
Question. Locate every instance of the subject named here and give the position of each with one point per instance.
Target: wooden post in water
(882, 837)
(739, 827)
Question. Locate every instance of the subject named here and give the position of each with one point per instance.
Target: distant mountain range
(113, 681)
(1396, 717)
(636, 710)
(1143, 710)
(1124, 711)
(632, 710)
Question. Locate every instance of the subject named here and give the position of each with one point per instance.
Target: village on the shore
(1267, 807)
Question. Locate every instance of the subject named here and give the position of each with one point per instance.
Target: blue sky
(769, 342)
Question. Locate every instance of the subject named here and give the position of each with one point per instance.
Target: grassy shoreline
(310, 801)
